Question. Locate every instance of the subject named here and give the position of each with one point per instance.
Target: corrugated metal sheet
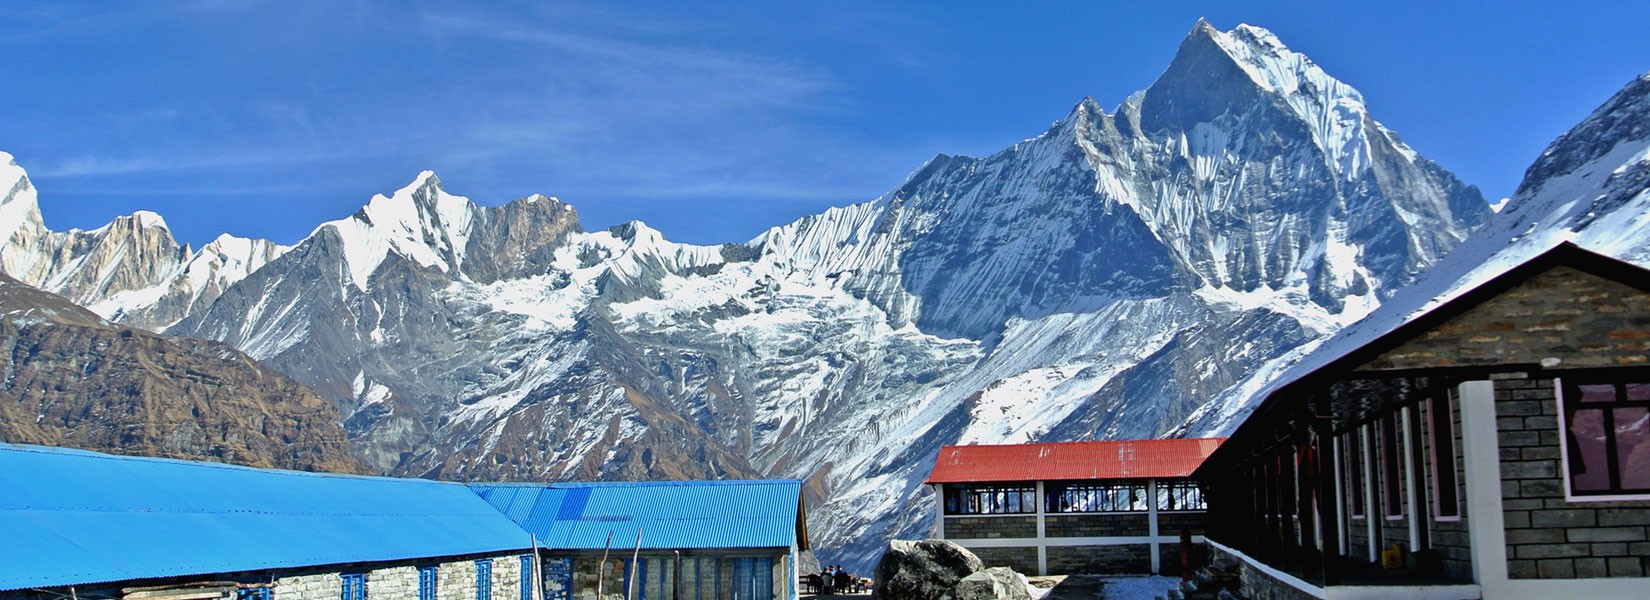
(670, 515)
(74, 517)
(1072, 460)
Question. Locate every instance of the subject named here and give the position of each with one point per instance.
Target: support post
(1329, 501)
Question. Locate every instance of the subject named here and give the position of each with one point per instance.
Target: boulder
(925, 570)
(995, 583)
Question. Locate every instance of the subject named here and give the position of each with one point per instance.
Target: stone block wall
(1093, 525)
(1170, 524)
(1549, 537)
(978, 528)
(455, 580)
(1022, 559)
(1257, 585)
(1168, 557)
(1120, 558)
(1586, 320)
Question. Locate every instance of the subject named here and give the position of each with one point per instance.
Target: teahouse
(697, 540)
(88, 525)
(1072, 507)
(78, 524)
(1494, 446)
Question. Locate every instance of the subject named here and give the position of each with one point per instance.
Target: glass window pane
(1638, 392)
(1633, 447)
(1597, 393)
(1589, 466)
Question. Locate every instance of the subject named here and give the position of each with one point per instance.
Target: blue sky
(709, 121)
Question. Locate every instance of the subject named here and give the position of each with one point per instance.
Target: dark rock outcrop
(923, 570)
(73, 379)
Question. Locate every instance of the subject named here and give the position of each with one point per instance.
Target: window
(752, 578)
(527, 577)
(252, 593)
(426, 583)
(1606, 438)
(1355, 471)
(1392, 498)
(1445, 495)
(484, 579)
(990, 499)
(355, 586)
(1111, 496)
(1180, 495)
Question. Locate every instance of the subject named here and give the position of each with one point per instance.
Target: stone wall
(1170, 524)
(1168, 557)
(1093, 525)
(1549, 537)
(1586, 320)
(1022, 559)
(1257, 585)
(455, 580)
(978, 528)
(1120, 558)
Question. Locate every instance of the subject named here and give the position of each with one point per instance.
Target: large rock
(995, 583)
(925, 570)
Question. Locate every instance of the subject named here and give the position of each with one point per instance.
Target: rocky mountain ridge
(75, 379)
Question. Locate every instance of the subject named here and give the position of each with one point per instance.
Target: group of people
(837, 580)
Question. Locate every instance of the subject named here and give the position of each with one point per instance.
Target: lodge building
(690, 540)
(79, 524)
(1072, 507)
(1496, 445)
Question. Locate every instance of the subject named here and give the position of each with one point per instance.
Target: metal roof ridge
(83, 453)
(1086, 442)
(668, 483)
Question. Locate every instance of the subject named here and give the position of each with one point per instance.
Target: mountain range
(1133, 273)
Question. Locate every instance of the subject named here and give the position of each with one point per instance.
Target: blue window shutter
(484, 579)
(355, 586)
(527, 577)
(257, 593)
(426, 583)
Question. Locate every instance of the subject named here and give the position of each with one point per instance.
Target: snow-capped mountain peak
(420, 222)
(1332, 111)
(19, 204)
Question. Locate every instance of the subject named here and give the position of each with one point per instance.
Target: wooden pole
(630, 591)
(601, 569)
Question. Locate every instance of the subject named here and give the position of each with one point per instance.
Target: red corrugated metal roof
(1072, 460)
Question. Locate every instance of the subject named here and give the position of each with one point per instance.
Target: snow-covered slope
(1102, 279)
(130, 270)
(1590, 187)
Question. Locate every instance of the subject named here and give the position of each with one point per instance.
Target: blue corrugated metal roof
(76, 517)
(670, 515)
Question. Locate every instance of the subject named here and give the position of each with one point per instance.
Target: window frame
(353, 586)
(1392, 468)
(428, 577)
(1104, 491)
(969, 499)
(1190, 491)
(484, 579)
(1355, 473)
(1567, 390)
(1440, 424)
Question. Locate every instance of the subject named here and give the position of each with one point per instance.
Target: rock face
(1590, 187)
(995, 583)
(1100, 280)
(924, 570)
(73, 379)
